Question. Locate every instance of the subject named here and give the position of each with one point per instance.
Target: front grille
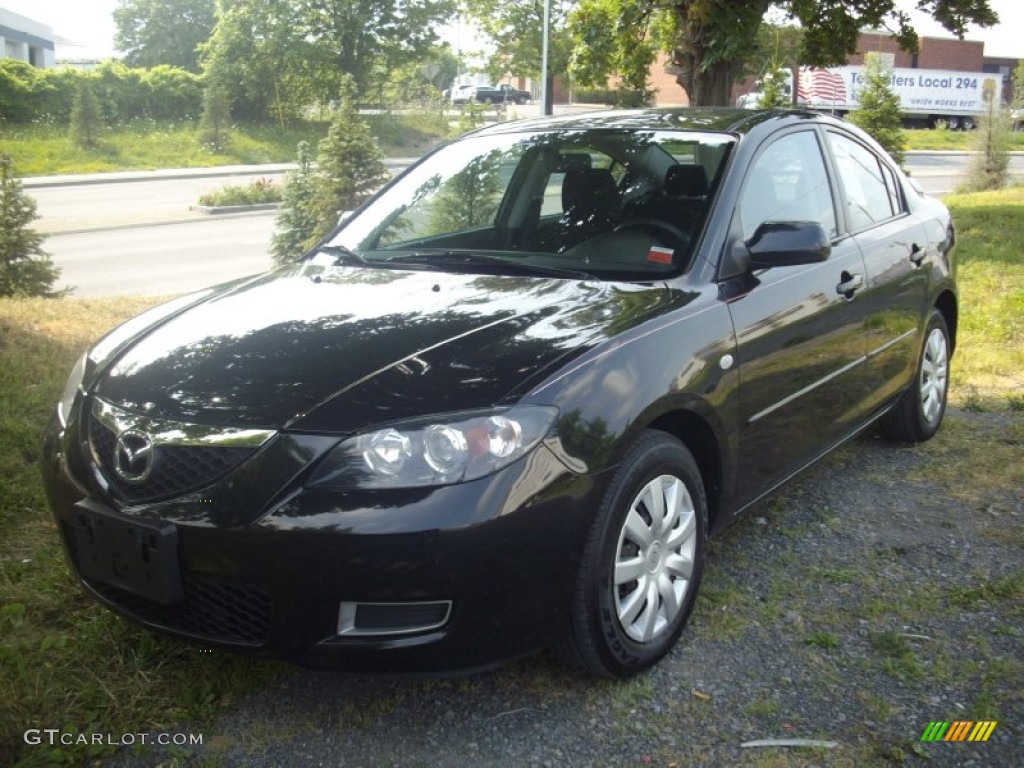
(211, 609)
(176, 468)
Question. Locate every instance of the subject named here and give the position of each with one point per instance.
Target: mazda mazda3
(502, 406)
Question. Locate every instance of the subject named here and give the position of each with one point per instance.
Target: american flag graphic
(820, 85)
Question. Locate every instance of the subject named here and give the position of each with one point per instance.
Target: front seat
(590, 205)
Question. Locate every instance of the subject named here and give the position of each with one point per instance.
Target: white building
(26, 40)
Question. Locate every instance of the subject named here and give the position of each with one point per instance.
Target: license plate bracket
(140, 556)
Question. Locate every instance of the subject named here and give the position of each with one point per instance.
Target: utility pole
(546, 97)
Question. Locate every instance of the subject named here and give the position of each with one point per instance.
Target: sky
(89, 23)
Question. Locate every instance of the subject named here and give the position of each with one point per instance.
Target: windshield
(608, 204)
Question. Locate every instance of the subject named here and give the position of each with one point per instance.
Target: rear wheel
(642, 564)
(918, 414)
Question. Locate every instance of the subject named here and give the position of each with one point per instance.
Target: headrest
(686, 181)
(590, 190)
(573, 161)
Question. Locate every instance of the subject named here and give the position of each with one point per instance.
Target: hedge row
(30, 95)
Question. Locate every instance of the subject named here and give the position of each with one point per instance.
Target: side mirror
(787, 244)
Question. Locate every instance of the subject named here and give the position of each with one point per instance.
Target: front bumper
(446, 578)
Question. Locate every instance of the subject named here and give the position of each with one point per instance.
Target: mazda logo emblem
(133, 456)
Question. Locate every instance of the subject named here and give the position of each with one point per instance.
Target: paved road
(162, 259)
(114, 237)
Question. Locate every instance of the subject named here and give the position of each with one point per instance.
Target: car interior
(601, 205)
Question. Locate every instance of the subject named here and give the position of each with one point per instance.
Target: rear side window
(869, 187)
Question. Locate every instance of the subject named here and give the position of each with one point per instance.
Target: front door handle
(850, 283)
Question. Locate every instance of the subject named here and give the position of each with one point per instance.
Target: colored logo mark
(959, 730)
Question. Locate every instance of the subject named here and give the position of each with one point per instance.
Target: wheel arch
(697, 434)
(946, 304)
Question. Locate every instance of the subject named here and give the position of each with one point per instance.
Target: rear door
(893, 244)
(800, 339)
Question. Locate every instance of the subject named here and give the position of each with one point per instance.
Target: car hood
(336, 349)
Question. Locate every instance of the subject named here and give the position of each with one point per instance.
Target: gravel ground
(878, 593)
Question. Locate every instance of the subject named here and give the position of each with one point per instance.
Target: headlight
(67, 398)
(440, 451)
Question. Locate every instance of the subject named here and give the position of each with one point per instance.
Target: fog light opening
(384, 619)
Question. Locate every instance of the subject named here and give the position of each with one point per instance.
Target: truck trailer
(926, 95)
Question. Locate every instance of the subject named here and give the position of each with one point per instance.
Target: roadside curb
(227, 210)
(200, 219)
(166, 174)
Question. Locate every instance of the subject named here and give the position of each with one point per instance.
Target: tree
(216, 117)
(297, 222)
(989, 165)
(350, 164)
(708, 40)
(516, 30)
(878, 108)
(152, 32)
(282, 56)
(25, 268)
(86, 120)
(773, 88)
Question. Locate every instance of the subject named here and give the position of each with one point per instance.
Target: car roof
(710, 119)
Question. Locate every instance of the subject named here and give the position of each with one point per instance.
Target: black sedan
(502, 406)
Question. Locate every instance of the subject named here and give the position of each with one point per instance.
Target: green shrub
(255, 193)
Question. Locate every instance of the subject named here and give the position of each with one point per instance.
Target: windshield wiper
(342, 254)
(470, 259)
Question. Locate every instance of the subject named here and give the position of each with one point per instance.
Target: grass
(66, 662)
(988, 368)
(39, 150)
(957, 141)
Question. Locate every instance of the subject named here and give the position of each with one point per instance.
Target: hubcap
(654, 558)
(934, 370)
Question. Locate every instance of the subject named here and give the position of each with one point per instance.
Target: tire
(918, 414)
(617, 630)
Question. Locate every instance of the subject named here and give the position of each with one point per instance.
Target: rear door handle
(916, 254)
(850, 283)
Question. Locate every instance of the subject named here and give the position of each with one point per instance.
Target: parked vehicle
(926, 95)
(504, 404)
(489, 94)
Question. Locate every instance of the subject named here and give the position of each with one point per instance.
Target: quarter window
(869, 200)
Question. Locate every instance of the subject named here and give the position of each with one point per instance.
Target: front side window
(587, 201)
(788, 182)
(869, 200)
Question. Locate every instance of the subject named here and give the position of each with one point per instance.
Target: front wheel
(642, 564)
(917, 415)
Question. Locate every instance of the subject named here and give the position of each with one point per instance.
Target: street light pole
(545, 90)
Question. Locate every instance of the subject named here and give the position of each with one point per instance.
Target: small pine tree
(86, 120)
(989, 165)
(296, 225)
(25, 268)
(350, 164)
(773, 88)
(216, 118)
(878, 108)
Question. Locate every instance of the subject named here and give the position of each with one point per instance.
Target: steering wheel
(675, 236)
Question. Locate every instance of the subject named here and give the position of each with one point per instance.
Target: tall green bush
(350, 164)
(86, 121)
(990, 163)
(878, 108)
(31, 95)
(25, 268)
(298, 220)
